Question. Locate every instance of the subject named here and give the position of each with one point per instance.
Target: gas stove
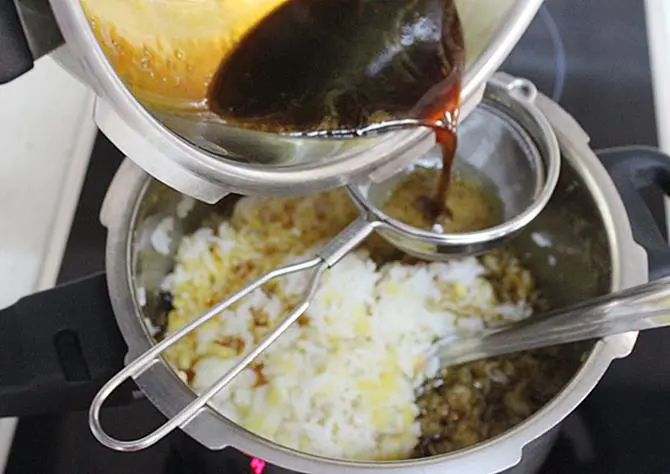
(599, 75)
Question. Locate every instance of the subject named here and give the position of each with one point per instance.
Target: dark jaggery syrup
(339, 66)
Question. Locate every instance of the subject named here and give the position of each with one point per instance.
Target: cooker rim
(170, 394)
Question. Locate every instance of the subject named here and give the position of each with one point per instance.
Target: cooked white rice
(342, 382)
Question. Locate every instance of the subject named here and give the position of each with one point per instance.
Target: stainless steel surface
(590, 243)
(292, 166)
(635, 309)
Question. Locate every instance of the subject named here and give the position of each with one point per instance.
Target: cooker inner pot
(566, 249)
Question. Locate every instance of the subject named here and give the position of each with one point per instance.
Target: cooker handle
(633, 169)
(57, 348)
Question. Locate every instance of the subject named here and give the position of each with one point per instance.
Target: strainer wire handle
(326, 258)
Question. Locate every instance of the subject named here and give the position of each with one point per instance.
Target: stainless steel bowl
(591, 246)
(289, 166)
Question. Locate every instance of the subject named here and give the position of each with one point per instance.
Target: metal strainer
(506, 146)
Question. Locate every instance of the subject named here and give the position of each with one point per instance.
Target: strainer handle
(152, 356)
(331, 253)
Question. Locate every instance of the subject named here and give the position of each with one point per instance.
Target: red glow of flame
(257, 465)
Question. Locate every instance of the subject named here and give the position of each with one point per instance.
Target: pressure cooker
(58, 347)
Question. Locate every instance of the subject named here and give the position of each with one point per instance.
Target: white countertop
(47, 132)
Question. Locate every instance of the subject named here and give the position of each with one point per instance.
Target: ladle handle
(639, 308)
(332, 252)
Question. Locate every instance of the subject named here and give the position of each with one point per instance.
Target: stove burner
(190, 457)
(258, 465)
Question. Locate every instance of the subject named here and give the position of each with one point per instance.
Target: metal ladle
(517, 163)
(635, 309)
